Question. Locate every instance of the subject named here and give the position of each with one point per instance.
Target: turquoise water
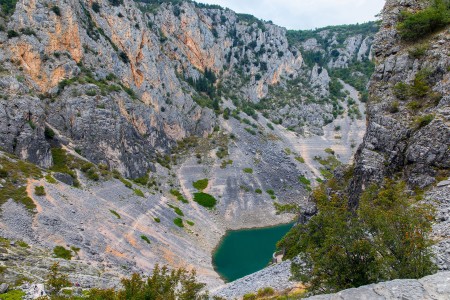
(243, 252)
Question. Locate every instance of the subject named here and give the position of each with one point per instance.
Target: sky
(306, 14)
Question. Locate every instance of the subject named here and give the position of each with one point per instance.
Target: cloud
(306, 14)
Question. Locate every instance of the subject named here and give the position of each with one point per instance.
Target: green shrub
(115, 213)
(13, 295)
(157, 220)
(61, 252)
(161, 284)
(201, 184)
(22, 244)
(249, 296)
(178, 222)
(126, 183)
(56, 10)
(190, 223)
(3, 173)
(49, 133)
(205, 200)
(248, 170)
(423, 121)
(395, 107)
(12, 34)
(96, 7)
(258, 191)
(91, 92)
(179, 196)
(401, 91)
(418, 51)
(300, 159)
(139, 193)
(142, 180)
(304, 180)
(39, 191)
(177, 210)
(270, 192)
(265, 292)
(145, 238)
(8, 6)
(385, 238)
(329, 151)
(418, 25)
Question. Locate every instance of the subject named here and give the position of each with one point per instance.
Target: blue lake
(243, 252)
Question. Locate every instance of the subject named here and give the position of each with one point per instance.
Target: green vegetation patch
(61, 252)
(414, 26)
(205, 200)
(178, 195)
(300, 159)
(248, 170)
(39, 191)
(16, 172)
(304, 180)
(388, 236)
(8, 6)
(50, 179)
(145, 238)
(13, 295)
(139, 193)
(177, 210)
(201, 184)
(178, 222)
(190, 223)
(115, 213)
(157, 220)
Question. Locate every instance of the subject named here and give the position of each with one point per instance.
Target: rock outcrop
(407, 135)
(436, 287)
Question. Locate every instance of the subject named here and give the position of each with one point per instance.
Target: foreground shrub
(387, 237)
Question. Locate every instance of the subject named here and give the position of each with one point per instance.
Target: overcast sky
(306, 14)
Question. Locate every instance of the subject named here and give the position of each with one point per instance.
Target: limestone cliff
(408, 130)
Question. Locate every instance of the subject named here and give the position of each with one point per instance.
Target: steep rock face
(149, 55)
(407, 132)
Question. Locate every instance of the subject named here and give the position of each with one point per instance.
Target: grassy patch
(225, 163)
(205, 200)
(22, 244)
(305, 181)
(178, 195)
(201, 184)
(61, 252)
(178, 222)
(423, 121)
(126, 183)
(16, 172)
(177, 210)
(13, 295)
(270, 192)
(248, 170)
(115, 213)
(300, 159)
(39, 191)
(139, 193)
(145, 238)
(50, 179)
